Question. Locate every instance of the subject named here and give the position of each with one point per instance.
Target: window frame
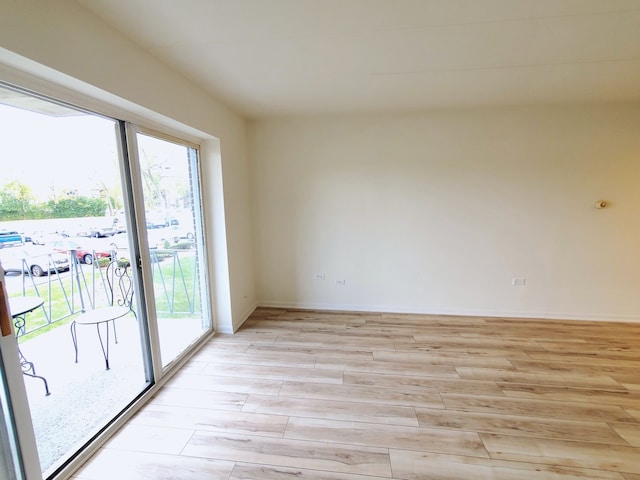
(128, 123)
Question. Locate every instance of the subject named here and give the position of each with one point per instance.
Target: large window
(106, 281)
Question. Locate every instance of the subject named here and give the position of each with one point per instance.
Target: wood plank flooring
(342, 396)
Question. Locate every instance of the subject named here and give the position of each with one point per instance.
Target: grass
(57, 306)
(176, 287)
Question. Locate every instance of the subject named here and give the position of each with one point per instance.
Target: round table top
(101, 315)
(21, 305)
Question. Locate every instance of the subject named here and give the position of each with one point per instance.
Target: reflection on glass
(172, 205)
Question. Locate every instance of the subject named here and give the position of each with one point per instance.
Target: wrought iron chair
(118, 284)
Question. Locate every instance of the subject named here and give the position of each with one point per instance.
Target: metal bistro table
(20, 306)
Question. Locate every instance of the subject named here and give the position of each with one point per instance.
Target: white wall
(437, 212)
(62, 50)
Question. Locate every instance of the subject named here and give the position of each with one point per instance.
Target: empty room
(406, 233)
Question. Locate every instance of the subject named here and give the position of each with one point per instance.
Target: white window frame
(135, 120)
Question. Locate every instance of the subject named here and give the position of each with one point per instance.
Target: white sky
(79, 152)
(60, 152)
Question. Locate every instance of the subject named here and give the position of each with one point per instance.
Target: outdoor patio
(85, 395)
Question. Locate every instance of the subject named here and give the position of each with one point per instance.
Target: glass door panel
(170, 178)
(7, 467)
(61, 224)
(9, 454)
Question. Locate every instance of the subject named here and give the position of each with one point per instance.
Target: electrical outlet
(320, 276)
(341, 282)
(518, 281)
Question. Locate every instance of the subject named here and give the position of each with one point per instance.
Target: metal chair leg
(115, 334)
(105, 349)
(74, 337)
(27, 367)
(46, 385)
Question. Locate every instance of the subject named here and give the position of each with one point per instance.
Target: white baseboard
(243, 318)
(462, 312)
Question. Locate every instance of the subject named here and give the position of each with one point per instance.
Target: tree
(107, 182)
(16, 202)
(152, 170)
(72, 207)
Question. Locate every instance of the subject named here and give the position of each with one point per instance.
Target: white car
(37, 261)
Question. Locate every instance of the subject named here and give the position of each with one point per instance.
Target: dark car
(83, 251)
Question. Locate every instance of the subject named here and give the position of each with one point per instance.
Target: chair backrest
(119, 283)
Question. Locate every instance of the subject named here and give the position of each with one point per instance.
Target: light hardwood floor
(328, 396)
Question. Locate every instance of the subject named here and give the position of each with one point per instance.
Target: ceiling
(288, 57)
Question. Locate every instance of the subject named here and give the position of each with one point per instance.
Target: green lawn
(176, 286)
(61, 300)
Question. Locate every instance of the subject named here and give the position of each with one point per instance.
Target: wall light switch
(518, 281)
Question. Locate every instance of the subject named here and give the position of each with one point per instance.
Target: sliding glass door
(9, 455)
(171, 191)
(104, 253)
(60, 191)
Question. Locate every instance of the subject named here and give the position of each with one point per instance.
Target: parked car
(8, 238)
(119, 225)
(155, 222)
(97, 232)
(83, 251)
(38, 261)
(178, 233)
(38, 237)
(42, 237)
